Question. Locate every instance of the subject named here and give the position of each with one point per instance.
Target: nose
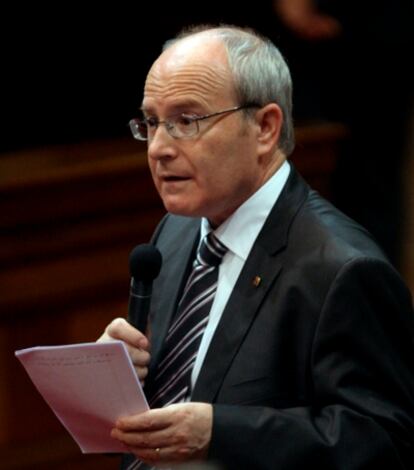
(161, 145)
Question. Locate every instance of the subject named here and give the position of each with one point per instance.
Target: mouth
(174, 178)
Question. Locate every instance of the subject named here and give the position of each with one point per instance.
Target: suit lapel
(265, 261)
(177, 255)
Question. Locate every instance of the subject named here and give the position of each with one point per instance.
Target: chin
(181, 209)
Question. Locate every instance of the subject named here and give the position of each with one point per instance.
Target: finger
(120, 329)
(142, 373)
(139, 357)
(151, 420)
(154, 457)
(181, 431)
(161, 457)
(154, 449)
(148, 454)
(147, 440)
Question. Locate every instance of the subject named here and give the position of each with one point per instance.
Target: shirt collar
(241, 229)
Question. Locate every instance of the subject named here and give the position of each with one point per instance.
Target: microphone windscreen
(145, 262)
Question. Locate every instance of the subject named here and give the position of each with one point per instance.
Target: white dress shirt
(238, 233)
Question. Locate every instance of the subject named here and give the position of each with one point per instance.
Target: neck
(277, 160)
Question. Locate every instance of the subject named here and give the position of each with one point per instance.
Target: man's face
(212, 173)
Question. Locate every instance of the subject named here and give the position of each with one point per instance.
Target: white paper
(88, 386)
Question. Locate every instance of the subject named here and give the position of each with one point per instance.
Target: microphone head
(145, 262)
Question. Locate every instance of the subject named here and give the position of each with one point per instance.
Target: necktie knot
(211, 251)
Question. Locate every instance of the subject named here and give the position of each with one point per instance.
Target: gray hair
(261, 75)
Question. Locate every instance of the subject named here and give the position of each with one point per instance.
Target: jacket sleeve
(361, 410)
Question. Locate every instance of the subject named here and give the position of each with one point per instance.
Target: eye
(151, 121)
(185, 119)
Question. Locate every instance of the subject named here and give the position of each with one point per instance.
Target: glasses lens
(139, 129)
(183, 126)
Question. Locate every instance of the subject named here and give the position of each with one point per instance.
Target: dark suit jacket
(315, 366)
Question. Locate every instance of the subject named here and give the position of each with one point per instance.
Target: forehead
(192, 71)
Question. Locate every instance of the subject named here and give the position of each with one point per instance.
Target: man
(307, 354)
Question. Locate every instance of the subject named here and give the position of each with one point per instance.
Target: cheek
(212, 174)
(152, 167)
(229, 165)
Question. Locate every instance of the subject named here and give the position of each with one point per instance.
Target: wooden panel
(32, 437)
(70, 217)
(316, 151)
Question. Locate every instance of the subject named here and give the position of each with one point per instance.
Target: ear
(269, 120)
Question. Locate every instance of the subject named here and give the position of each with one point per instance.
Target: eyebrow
(177, 108)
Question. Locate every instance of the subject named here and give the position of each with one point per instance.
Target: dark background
(71, 73)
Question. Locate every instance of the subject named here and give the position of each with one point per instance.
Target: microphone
(144, 266)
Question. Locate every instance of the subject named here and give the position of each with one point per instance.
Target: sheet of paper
(88, 386)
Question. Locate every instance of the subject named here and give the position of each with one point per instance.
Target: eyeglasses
(179, 126)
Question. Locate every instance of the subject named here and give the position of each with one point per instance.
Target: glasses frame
(170, 126)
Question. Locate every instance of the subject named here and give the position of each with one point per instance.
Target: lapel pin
(256, 281)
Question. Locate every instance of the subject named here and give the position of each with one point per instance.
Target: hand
(137, 344)
(176, 433)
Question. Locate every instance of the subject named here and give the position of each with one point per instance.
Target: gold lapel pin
(256, 281)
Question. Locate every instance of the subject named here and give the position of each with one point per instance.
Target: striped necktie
(172, 383)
